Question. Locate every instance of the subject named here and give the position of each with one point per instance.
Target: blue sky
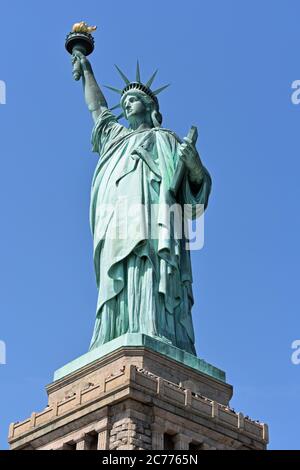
(231, 65)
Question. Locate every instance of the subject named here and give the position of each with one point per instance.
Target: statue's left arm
(195, 169)
(196, 184)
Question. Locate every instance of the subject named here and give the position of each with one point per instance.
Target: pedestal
(138, 393)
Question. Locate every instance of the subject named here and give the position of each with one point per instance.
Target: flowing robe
(143, 273)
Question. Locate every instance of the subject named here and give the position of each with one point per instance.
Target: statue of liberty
(144, 282)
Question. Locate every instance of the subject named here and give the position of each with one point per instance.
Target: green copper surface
(135, 340)
(144, 274)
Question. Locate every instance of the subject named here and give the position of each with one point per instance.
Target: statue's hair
(150, 105)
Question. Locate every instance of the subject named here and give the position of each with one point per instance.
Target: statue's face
(134, 106)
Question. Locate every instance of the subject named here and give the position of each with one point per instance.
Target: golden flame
(83, 27)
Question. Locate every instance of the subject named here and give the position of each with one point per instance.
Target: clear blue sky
(231, 65)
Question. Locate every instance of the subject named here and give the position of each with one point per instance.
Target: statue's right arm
(94, 97)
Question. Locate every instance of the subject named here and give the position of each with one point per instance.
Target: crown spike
(113, 89)
(159, 90)
(150, 81)
(138, 74)
(126, 80)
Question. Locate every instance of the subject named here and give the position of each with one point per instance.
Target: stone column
(181, 442)
(157, 437)
(103, 436)
(83, 442)
(82, 445)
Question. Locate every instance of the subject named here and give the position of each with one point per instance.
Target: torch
(80, 39)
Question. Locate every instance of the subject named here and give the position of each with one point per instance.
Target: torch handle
(76, 70)
(76, 66)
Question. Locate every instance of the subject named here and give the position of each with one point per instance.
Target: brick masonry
(133, 408)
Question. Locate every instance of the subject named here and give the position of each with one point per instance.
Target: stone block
(132, 397)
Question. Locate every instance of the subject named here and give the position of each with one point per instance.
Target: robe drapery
(143, 273)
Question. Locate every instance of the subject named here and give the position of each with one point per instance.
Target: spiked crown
(136, 85)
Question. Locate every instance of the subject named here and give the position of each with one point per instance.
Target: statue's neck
(143, 126)
(137, 124)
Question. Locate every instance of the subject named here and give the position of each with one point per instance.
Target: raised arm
(94, 97)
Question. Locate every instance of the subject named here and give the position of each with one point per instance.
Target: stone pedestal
(138, 397)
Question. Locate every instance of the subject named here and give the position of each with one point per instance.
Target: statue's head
(138, 105)
(139, 101)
